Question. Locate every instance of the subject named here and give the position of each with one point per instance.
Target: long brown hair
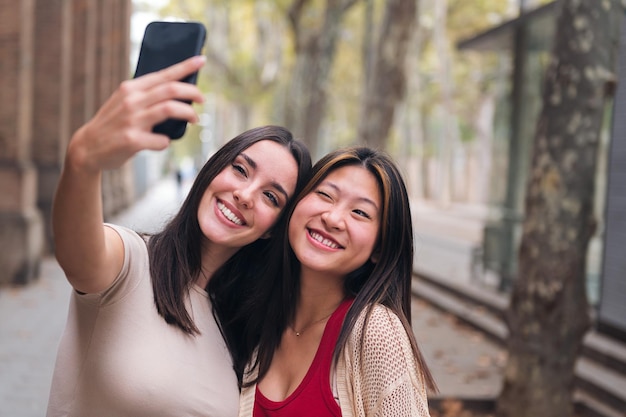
(175, 252)
(386, 282)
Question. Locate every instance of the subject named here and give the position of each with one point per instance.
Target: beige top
(118, 356)
(384, 381)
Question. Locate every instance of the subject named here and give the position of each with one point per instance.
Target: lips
(329, 243)
(229, 214)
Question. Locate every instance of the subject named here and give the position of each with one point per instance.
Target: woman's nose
(333, 218)
(243, 196)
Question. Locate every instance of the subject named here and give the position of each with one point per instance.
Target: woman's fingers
(123, 125)
(171, 109)
(174, 73)
(136, 94)
(139, 95)
(162, 93)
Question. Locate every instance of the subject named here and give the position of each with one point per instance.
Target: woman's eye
(240, 169)
(362, 213)
(323, 194)
(272, 198)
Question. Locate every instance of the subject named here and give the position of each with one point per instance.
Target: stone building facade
(59, 60)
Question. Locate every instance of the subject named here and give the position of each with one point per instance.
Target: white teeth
(229, 214)
(324, 241)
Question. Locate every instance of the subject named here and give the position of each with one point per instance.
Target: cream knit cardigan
(384, 381)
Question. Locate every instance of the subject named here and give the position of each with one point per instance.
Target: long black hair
(386, 282)
(175, 252)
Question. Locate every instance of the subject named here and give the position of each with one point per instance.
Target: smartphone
(165, 44)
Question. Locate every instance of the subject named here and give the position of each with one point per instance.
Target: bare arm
(90, 253)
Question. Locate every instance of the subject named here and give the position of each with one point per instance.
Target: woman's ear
(375, 256)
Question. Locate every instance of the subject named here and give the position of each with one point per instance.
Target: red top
(313, 397)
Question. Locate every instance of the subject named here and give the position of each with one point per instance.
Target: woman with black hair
(335, 337)
(141, 338)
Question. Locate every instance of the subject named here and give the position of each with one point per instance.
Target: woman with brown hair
(335, 338)
(141, 338)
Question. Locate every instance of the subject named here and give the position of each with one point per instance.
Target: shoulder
(380, 324)
(134, 245)
(135, 266)
(380, 366)
(380, 342)
(130, 238)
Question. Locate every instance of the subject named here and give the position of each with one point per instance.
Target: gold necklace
(299, 332)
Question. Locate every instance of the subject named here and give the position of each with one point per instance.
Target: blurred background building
(60, 61)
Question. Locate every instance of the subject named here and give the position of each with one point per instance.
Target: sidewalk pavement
(464, 362)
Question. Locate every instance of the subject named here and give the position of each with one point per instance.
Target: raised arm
(90, 253)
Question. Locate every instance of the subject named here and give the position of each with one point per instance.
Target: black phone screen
(165, 44)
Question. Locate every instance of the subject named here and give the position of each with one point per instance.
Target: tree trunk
(315, 51)
(548, 315)
(386, 84)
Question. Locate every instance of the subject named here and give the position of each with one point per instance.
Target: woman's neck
(320, 295)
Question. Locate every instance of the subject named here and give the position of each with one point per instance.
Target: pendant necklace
(299, 332)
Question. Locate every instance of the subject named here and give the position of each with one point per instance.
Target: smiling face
(245, 199)
(334, 228)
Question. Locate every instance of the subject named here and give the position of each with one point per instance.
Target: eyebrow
(274, 184)
(363, 199)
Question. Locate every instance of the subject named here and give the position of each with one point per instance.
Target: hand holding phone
(165, 44)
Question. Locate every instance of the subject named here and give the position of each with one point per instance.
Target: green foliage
(471, 74)
(251, 53)
(246, 46)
